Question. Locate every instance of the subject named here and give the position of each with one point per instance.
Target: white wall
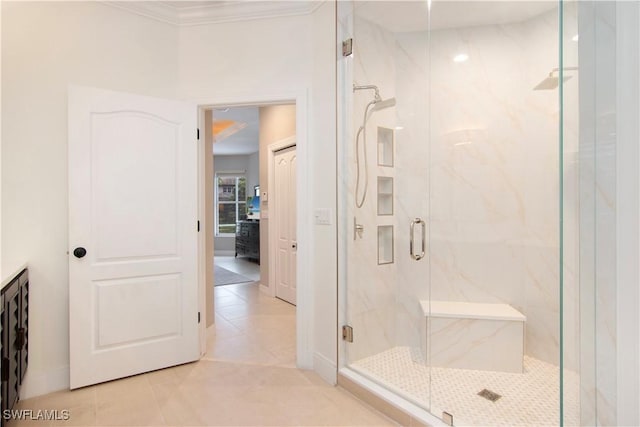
(277, 122)
(45, 47)
(263, 59)
(253, 172)
(265, 56)
(322, 138)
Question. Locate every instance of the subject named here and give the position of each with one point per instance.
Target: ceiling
(242, 137)
(215, 11)
(410, 16)
(395, 15)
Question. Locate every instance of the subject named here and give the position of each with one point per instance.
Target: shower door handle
(420, 222)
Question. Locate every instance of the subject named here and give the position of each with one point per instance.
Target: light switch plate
(323, 216)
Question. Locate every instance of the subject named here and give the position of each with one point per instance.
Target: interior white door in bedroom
(284, 213)
(133, 283)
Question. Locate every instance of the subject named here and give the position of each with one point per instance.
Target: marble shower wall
(494, 174)
(371, 288)
(476, 155)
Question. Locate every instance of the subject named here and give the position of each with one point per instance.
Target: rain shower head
(379, 105)
(550, 83)
(553, 81)
(378, 102)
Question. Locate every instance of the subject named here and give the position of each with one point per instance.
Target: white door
(285, 215)
(133, 303)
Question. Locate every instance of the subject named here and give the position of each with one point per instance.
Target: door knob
(294, 246)
(79, 252)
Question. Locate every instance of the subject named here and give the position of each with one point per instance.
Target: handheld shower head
(376, 104)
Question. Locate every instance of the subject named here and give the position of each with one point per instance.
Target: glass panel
(242, 211)
(242, 189)
(386, 148)
(494, 341)
(460, 103)
(570, 249)
(227, 218)
(226, 188)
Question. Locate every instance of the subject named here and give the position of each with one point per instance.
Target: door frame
(304, 307)
(273, 241)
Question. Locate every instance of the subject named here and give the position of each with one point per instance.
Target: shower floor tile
(527, 399)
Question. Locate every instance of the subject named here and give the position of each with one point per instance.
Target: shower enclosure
(458, 133)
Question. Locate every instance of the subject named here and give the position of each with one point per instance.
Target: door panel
(158, 317)
(139, 177)
(133, 207)
(285, 215)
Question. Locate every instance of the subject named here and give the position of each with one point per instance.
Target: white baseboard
(38, 383)
(324, 367)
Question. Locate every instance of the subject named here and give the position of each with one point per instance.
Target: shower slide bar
(420, 222)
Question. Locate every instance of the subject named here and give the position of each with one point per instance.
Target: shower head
(379, 105)
(552, 82)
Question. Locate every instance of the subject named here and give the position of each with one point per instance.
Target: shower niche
(385, 244)
(385, 146)
(385, 195)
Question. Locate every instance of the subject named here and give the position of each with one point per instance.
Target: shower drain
(489, 395)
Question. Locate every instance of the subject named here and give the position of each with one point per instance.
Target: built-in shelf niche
(385, 146)
(385, 195)
(385, 244)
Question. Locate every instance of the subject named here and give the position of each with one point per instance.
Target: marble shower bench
(468, 335)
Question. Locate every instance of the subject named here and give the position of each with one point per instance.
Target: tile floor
(527, 399)
(247, 378)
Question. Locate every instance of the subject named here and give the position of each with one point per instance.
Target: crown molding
(216, 11)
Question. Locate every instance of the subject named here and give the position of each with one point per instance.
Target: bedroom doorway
(251, 325)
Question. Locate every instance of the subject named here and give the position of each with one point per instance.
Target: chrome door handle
(419, 256)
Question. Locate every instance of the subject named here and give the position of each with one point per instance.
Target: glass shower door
(458, 273)
(494, 318)
(384, 135)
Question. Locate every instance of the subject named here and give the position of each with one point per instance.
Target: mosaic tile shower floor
(527, 399)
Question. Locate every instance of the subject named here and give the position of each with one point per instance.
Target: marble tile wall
(494, 159)
(371, 299)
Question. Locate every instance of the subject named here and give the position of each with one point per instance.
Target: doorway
(250, 325)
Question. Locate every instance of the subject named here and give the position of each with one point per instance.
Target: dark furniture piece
(15, 338)
(248, 239)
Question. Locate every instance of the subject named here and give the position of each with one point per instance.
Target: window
(231, 196)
